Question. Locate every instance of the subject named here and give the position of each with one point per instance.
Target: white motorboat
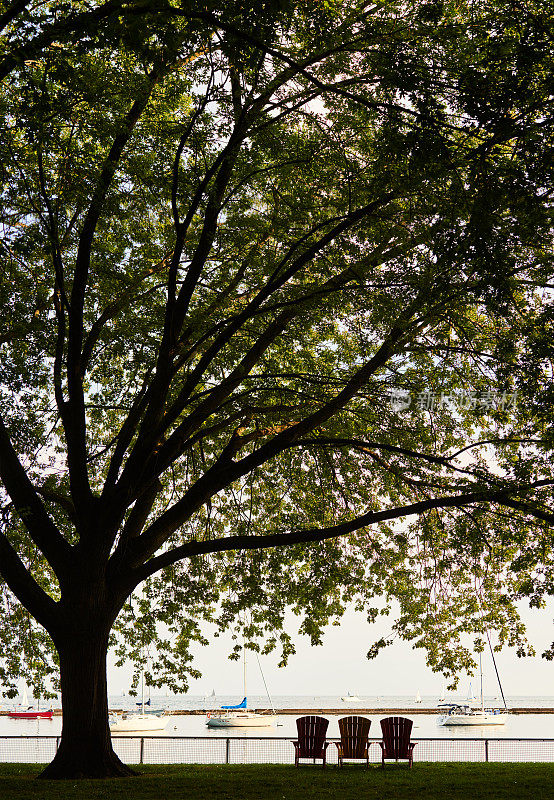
(350, 698)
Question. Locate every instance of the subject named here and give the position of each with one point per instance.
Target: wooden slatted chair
(354, 734)
(396, 742)
(311, 739)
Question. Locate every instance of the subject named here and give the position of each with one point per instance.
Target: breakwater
(57, 712)
(351, 710)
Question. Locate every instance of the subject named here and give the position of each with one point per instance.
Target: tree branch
(72, 25)
(42, 530)
(75, 424)
(312, 535)
(43, 608)
(12, 12)
(225, 470)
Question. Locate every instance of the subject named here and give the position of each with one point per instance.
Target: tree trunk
(85, 749)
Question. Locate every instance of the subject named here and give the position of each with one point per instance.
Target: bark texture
(85, 749)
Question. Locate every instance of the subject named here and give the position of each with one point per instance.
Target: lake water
(425, 725)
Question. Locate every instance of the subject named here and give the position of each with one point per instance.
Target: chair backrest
(396, 736)
(354, 732)
(311, 734)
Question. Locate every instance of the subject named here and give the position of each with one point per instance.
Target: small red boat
(31, 714)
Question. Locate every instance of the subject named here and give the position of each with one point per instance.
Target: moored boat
(240, 716)
(143, 721)
(463, 714)
(30, 714)
(131, 723)
(239, 719)
(456, 714)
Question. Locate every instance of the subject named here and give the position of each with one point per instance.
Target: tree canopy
(275, 333)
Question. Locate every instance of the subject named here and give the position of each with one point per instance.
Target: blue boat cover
(240, 705)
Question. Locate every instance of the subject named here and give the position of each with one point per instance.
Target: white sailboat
(417, 697)
(239, 716)
(133, 721)
(136, 723)
(464, 714)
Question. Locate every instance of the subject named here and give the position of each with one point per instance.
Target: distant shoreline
(332, 711)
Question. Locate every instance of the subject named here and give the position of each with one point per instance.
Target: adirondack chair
(311, 739)
(354, 733)
(396, 740)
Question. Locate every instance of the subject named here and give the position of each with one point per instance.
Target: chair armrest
(326, 745)
(339, 747)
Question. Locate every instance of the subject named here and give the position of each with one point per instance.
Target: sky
(340, 665)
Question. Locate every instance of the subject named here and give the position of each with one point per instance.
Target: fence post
(227, 749)
(486, 750)
(141, 750)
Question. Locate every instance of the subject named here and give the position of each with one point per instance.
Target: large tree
(236, 238)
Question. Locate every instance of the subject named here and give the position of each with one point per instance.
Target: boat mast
(265, 684)
(481, 676)
(496, 670)
(244, 672)
(491, 651)
(142, 691)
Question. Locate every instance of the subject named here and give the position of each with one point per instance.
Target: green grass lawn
(268, 782)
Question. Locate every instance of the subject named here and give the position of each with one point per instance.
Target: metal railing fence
(272, 750)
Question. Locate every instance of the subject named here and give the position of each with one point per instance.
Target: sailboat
(239, 716)
(463, 714)
(27, 711)
(139, 722)
(417, 697)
